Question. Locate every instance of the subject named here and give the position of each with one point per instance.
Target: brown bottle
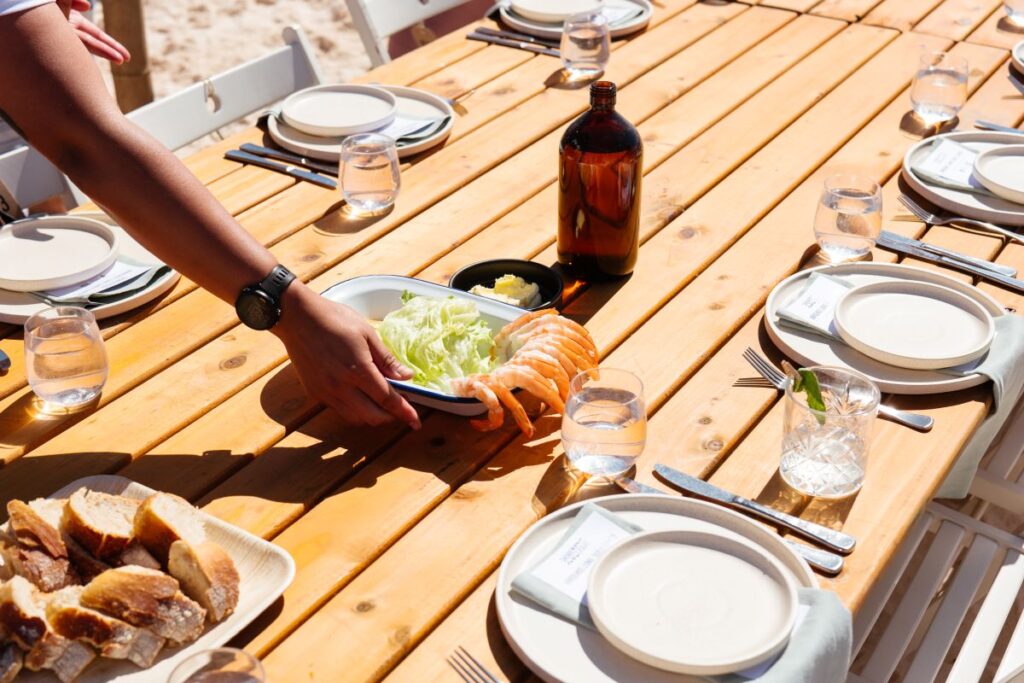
(600, 168)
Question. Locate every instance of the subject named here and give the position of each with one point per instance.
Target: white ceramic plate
(374, 296)
(340, 109)
(48, 252)
(693, 602)
(411, 102)
(554, 31)
(17, 307)
(969, 204)
(557, 650)
(810, 350)
(265, 571)
(1017, 55)
(915, 325)
(553, 11)
(1001, 170)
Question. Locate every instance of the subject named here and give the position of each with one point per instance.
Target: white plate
(1001, 171)
(265, 571)
(557, 650)
(17, 307)
(968, 204)
(554, 31)
(809, 350)
(1017, 56)
(553, 11)
(48, 252)
(915, 325)
(340, 109)
(374, 296)
(693, 602)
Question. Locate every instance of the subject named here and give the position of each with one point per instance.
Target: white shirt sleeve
(12, 6)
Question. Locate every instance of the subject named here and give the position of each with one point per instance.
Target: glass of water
(849, 217)
(65, 359)
(604, 427)
(1015, 12)
(586, 45)
(824, 453)
(223, 665)
(370, 177)
(940, 87)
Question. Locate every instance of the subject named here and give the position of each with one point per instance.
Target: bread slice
(52, 510)
(39, 553)
(164, 518)
(136, 554)
(31, 531)
(102, 523)
(148, 599)
(113, 638)
(207, 575)
(11, 661)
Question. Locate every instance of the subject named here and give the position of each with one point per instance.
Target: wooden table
(397, 535)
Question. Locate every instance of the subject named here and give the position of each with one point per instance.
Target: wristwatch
(259, 305)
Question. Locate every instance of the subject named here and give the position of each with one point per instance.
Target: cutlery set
(297, 167)
(518, 41)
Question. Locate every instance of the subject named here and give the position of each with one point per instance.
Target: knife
(518, 44)
(989, 125)
(271, 153)
(830, 538)
(991, 276)
(512, 35)
(294, 172)
(822, 560)
(887, 237)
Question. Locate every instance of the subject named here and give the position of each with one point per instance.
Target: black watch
(259, 305)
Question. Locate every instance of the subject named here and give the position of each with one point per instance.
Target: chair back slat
(377, 20)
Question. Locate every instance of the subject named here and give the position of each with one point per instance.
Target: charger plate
(554, 31)
(47, 252)
(557, 650)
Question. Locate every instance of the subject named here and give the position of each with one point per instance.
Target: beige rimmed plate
(693, 602)
(1001, 171)
(554, 31)
(340, 109)
(48, 252)
(265, 571)
(553, 11)
(1017, 55)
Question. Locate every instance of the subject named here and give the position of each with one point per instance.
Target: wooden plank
(955, 19)
(792, 5)
(847, 10)
(900, 14)
(997, 31)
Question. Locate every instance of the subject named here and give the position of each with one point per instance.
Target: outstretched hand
(95, 39)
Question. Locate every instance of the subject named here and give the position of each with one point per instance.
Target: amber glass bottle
(600, 168)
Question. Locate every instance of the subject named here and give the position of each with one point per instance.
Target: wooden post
(124, 20)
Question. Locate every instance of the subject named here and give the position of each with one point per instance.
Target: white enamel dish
(809, 349)
(48, 252)
(1001, 171)
(558, 650)
(553, 31)
(692, 601)
(553, 11)
(967, 204)
(374, 296)
(339, 109)
(916, 325)
(1017, 57)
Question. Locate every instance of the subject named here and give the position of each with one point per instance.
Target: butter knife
(830, 538)
(1010, 283)
(297, 160)
(822, 560)
(887, 237)
(293, 171)
(518, 44)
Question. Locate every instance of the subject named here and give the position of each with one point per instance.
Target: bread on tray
(164, 518)
(207, 575)
(11, 660)
(37, 551)
(102, 523)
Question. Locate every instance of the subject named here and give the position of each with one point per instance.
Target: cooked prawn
(476, 387)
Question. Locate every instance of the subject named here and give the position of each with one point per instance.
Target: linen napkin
(406, 130)
(119, 282)
(819, 649)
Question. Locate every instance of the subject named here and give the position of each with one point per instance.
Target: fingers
(81, 5)
(98, 42)
(385, 361)
(373, 384)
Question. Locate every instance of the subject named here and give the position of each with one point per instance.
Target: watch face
(256, 309)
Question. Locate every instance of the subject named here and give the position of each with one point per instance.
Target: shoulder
(12, 6)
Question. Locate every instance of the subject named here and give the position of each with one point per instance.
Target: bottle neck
(602, 96)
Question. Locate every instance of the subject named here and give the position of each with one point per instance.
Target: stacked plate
(315, 121)
(81, 260)
(544, 18)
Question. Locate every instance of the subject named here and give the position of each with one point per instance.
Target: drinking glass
(65, 359)
(604, 427)
(849, 217)
(824, 453)
(940, 87)
(370, 178)
(586, 45)
(1015, 12)
(223, 665)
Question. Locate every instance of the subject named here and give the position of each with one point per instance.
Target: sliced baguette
(11, 661)
(52, 510)
(207, 575)
(136, 554)
(39, 553)
(102, 523)
(164, 518)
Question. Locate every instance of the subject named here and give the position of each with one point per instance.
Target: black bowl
(486, 272)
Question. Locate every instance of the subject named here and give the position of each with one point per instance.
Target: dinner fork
(949, 219)
(470, 668)
(921, 423)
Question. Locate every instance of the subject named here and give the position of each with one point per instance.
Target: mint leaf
(806, 381)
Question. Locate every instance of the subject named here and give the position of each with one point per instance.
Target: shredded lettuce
(439, 339)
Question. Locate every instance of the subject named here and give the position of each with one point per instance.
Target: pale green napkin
(111, 295)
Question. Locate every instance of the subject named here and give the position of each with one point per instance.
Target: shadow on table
(914, 126)
(1004, 24)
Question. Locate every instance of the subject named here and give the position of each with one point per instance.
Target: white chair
(378, 20)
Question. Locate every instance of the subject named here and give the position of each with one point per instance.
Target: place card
(950, 163)
(403, 127)
(814, 308)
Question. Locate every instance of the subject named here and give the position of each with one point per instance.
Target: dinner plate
(17, 307)
(558, 650)
(692, 601)
(915, 325)
(968, 204)
(1001, 171)
(265, 571)
(553, 11)
(1017, 57)
(412, 102)
(554, 31)
(339, 109)
(48, 252)
(809, 349)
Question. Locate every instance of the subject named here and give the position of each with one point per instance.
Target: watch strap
(278, 281)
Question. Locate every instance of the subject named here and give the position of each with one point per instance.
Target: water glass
(65, 358)
(586, 45)
(940, 87)
(1015, 12)
(849, 217)
(223, 665)
(370, 177)
(604, 427)
(824, 453)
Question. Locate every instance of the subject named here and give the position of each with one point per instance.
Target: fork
(921, 423)
(949, 219)
(470, 668)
